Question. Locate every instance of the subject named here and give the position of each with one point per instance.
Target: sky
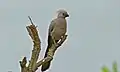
(93, 33)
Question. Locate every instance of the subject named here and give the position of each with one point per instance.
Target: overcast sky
(93, 33)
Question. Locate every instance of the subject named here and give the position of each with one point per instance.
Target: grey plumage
(57, 29)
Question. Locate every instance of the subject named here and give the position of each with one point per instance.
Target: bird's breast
(60, 28)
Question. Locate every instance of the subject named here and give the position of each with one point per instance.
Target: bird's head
(62, 13)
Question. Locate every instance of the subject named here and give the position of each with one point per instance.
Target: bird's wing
(51, 27)
(47, 64)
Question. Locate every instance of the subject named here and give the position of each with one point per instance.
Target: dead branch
(51, 52)
(36, 49)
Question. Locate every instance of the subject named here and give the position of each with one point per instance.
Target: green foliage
(114, 68)
(105, 69)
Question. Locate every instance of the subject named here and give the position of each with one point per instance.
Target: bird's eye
(63, 14)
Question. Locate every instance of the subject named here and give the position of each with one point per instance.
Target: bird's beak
(67, 15)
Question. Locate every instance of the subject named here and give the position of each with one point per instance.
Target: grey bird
(57, 30)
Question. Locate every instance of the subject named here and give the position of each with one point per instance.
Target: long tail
(47, 65)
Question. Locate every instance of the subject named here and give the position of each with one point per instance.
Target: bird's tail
(47, 64)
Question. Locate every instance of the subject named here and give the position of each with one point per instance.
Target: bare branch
(30, 20)
(23, 62)
(51, 52)
(23, 65)
(36, 48)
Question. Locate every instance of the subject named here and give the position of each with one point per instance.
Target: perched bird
(57, 29)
